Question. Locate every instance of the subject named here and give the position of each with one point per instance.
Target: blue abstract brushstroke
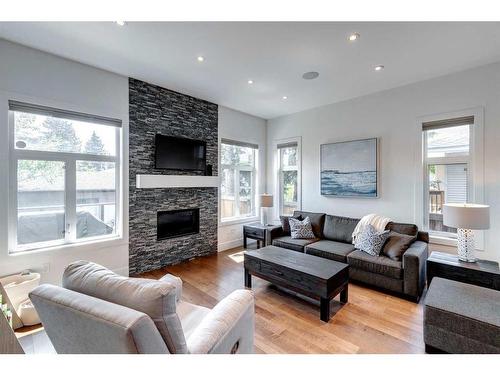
(360, 184)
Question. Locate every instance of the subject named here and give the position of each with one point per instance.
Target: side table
(483, 273)
(259, 232)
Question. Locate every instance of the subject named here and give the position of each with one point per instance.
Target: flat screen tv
(180, 153)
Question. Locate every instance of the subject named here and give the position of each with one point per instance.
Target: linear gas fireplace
(178, 223)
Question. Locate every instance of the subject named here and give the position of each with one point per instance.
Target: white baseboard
(230, 244)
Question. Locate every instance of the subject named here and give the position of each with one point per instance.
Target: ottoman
(461, 318)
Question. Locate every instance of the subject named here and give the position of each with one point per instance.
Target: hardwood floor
(371, 322)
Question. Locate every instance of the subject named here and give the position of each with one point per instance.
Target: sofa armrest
(414, 265)
(228, 328)
(177, 282)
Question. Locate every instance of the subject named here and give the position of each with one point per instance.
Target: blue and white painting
(349, 169)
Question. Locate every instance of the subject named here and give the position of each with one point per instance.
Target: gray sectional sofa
(334, 241)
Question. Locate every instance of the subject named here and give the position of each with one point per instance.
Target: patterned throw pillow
(370, 241)
(301, 229)
(285, 223)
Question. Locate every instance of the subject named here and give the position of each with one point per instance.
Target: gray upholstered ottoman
(461, 318)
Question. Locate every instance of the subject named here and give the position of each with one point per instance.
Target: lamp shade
(466, 215)
(266, 200)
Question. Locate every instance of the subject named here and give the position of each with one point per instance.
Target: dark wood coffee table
(305, 274)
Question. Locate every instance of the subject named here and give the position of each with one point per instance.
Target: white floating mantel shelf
(152, 181)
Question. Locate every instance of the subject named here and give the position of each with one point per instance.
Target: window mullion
(237, 191)
(70, 200)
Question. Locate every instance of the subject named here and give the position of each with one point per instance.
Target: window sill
(250, 219)
(96, 244)
(440, 240)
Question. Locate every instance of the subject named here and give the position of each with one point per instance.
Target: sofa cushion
(380, 265)
(339, 228)
(293, 244)
(285, 223)
(330, 250)
(408, 229)
(301, 228)
(397, 244)
(152, 297)
(317, 221)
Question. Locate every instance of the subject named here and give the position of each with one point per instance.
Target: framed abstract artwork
(350, 169)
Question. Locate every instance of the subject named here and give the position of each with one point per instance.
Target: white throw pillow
(370, 241)
(301, 229)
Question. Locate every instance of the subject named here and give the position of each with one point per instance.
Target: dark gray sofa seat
(330, 250)
(461, 318)
(292, 243)
(381, 265)
(334, 233)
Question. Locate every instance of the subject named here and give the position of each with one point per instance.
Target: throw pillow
(285, 223)
(397, 244)
(301, 229)
(370, 241)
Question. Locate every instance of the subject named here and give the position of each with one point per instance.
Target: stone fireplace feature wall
(153, 110)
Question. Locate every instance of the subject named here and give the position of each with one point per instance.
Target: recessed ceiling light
(201, 58)
(310, 75)
(378, 68)
(285, 97)
(353, 37)
(120, 23)
(250, 82)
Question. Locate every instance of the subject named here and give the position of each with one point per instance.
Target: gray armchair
(98, 311)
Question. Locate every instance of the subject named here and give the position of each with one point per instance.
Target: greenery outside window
(288, 178)
(65, 170)
(238, 180)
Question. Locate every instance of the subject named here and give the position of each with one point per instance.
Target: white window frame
(475, 170)
(279, 175)
(69, 159)
(236, 176)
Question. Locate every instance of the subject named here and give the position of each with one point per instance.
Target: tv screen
(180, 153)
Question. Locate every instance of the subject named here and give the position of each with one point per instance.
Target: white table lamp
(466, 217)
(266, 201)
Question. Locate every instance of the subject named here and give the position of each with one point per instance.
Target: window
(288, 178)
(447, 165)
(65, 177)
(238, 175)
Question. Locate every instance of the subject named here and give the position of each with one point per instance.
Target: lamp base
(466, 245)
(263, 216)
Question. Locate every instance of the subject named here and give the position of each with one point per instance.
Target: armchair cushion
(81, 324)
(227, 328)
(152, 297)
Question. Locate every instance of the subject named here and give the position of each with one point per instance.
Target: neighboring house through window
(448, 151)
(238, 179)
(65, 173)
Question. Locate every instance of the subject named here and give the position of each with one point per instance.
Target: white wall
(240, 126)
(34, 76)
(392, 116)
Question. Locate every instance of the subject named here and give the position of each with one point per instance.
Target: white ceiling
(274, 55)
